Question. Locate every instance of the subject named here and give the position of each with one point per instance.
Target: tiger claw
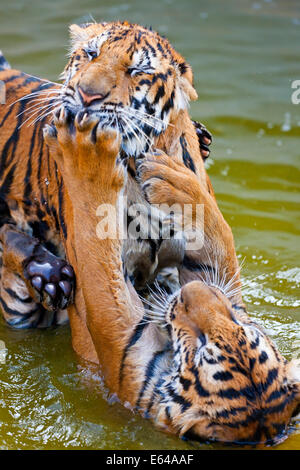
(82, 120)
(61, 117)
(204, 138)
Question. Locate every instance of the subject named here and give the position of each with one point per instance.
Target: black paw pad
(52, 278)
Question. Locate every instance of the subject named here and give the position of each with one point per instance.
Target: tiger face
(130, 77)
(229, 383)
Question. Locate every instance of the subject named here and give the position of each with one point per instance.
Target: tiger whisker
(31, 95)
(138, 111)
(154, 303)
(38, 103)
(50, 109)
(40, 109)
(159, 298)
(142, 119)
(40, 117)
(154, 315)
(148, 140)
(30, 117)
(128, 124)
(151, 304)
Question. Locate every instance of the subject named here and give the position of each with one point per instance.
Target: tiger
(135, 81)
(202, 370)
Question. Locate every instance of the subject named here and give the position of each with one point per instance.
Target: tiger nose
(87, 98)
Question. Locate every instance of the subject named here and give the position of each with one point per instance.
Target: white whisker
(38, 106)
(40, 116)
(35, 95)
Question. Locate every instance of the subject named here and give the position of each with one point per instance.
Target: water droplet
(286, 126)
(261, 132)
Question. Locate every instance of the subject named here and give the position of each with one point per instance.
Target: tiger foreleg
(167, 181)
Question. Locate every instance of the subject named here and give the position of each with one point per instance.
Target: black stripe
(168, 105)
(159, 94)
(231, 393)
(202, 392)
(10, 311)
(6, 185)
(230, 412)
(150, 370)
(276, 394)
(187, 159)
(281, 406)
(13, 77)
(223, 376)
(255, 416)
(13, 294)
(28, 187)
(12, 142)
(60, 210)
(138, 331)
(155, 392)
(10, 110)
(263, 357)
(185, 404)
(272, 375)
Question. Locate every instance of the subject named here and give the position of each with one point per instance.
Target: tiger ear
(186, 89)
(83, 32)
(79, 33)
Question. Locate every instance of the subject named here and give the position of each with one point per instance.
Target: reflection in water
(245, 59)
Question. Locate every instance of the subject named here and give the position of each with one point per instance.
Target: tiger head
(130, 77)
(228, 381)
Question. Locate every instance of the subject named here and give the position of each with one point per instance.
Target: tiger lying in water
(210, 372)
(206, 370)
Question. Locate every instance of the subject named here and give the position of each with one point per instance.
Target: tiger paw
(204, 138)
(87, 151)
(166, 181)
(50, 279)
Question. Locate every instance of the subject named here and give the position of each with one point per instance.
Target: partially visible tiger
(133, 80)
(205, 371)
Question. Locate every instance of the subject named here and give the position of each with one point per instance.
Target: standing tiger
(135, 81)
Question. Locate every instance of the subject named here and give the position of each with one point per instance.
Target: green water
(245, 55)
